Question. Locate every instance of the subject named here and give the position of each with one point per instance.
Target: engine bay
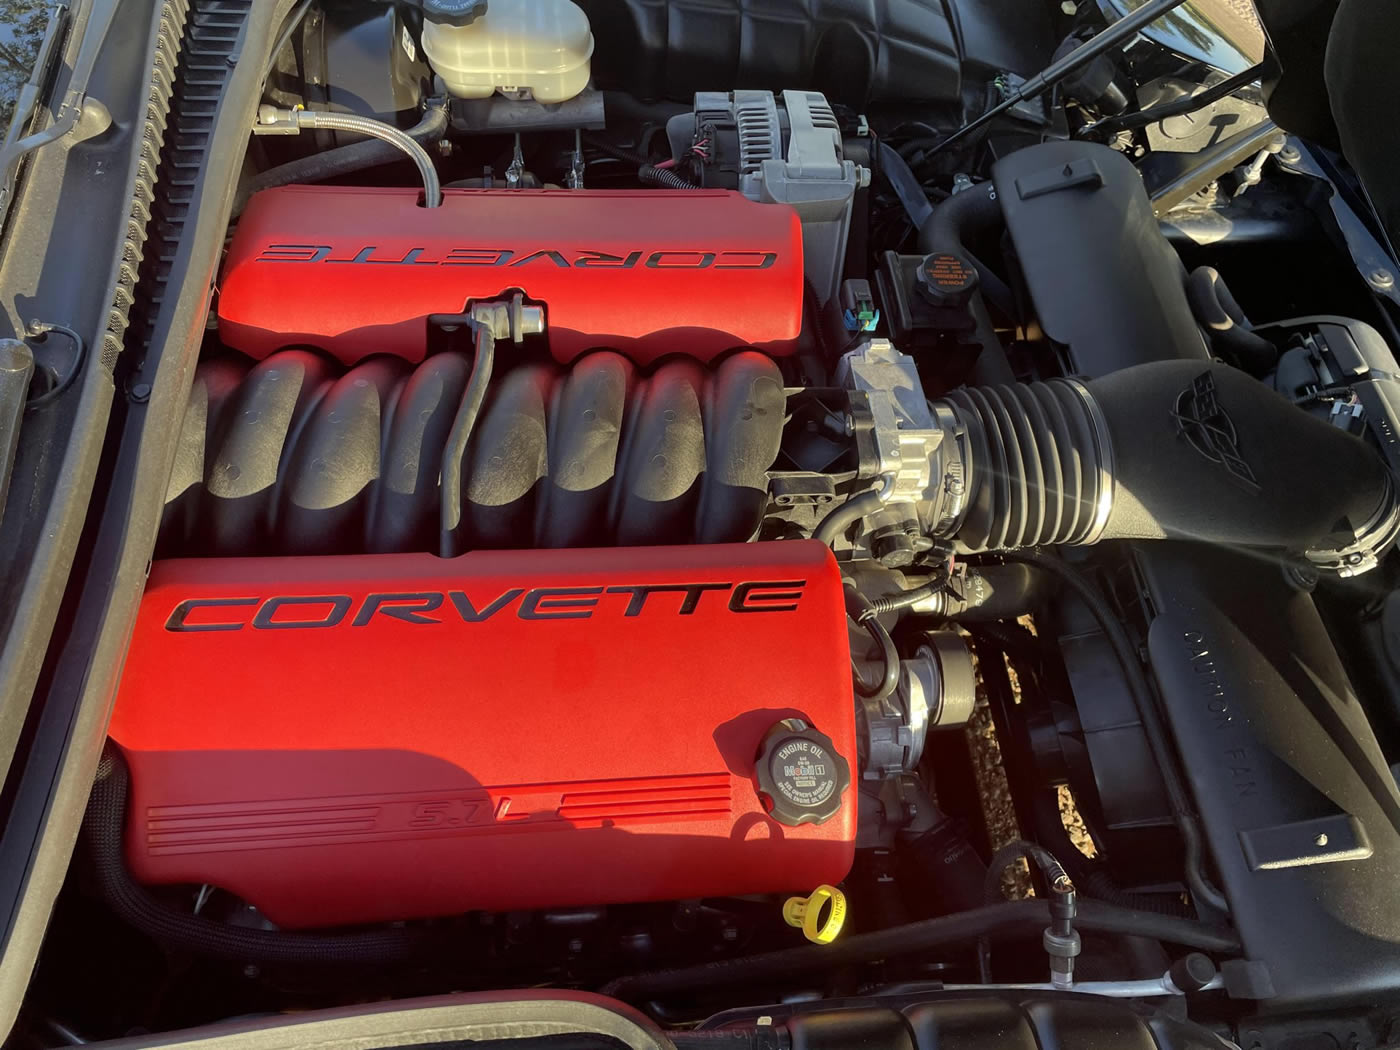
(912, 533)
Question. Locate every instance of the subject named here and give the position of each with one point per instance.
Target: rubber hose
(1010, 920)
(1097, 883)
(1091, 876)
(1216, 310)
(860, 609)
(946, 229)
(947, 868)
(963, 214)
(134, 905)
(1146, 704)
(450, 482)
(949, 233)
(843, 517)
(344, 160)
(988, 593)
(899, 602)
(1049, 866)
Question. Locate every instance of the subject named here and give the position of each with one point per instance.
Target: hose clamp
(950, 494)
(1104, 482)
(1372, 540)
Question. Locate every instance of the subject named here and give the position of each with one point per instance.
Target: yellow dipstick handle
(804, 913)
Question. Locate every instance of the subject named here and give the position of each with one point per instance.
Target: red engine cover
(357, 271)
(354, 739)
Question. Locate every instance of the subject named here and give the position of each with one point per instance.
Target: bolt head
(1381, 279)
(1290, 154)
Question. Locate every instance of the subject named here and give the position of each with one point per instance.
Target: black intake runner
(295, 455)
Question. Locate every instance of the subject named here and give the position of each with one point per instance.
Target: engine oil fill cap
(800, 775)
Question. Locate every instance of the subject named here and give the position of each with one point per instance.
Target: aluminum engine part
(787, 150)
(937, 690)
(909, 433)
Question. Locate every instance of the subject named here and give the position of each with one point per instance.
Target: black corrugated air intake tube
(1167, 450)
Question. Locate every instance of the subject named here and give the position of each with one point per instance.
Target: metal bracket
(1376, 263)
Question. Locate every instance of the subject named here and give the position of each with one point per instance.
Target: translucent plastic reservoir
(539, 46)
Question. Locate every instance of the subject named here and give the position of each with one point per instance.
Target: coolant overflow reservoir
(539, 47)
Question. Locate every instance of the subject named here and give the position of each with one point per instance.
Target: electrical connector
(858, 310)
